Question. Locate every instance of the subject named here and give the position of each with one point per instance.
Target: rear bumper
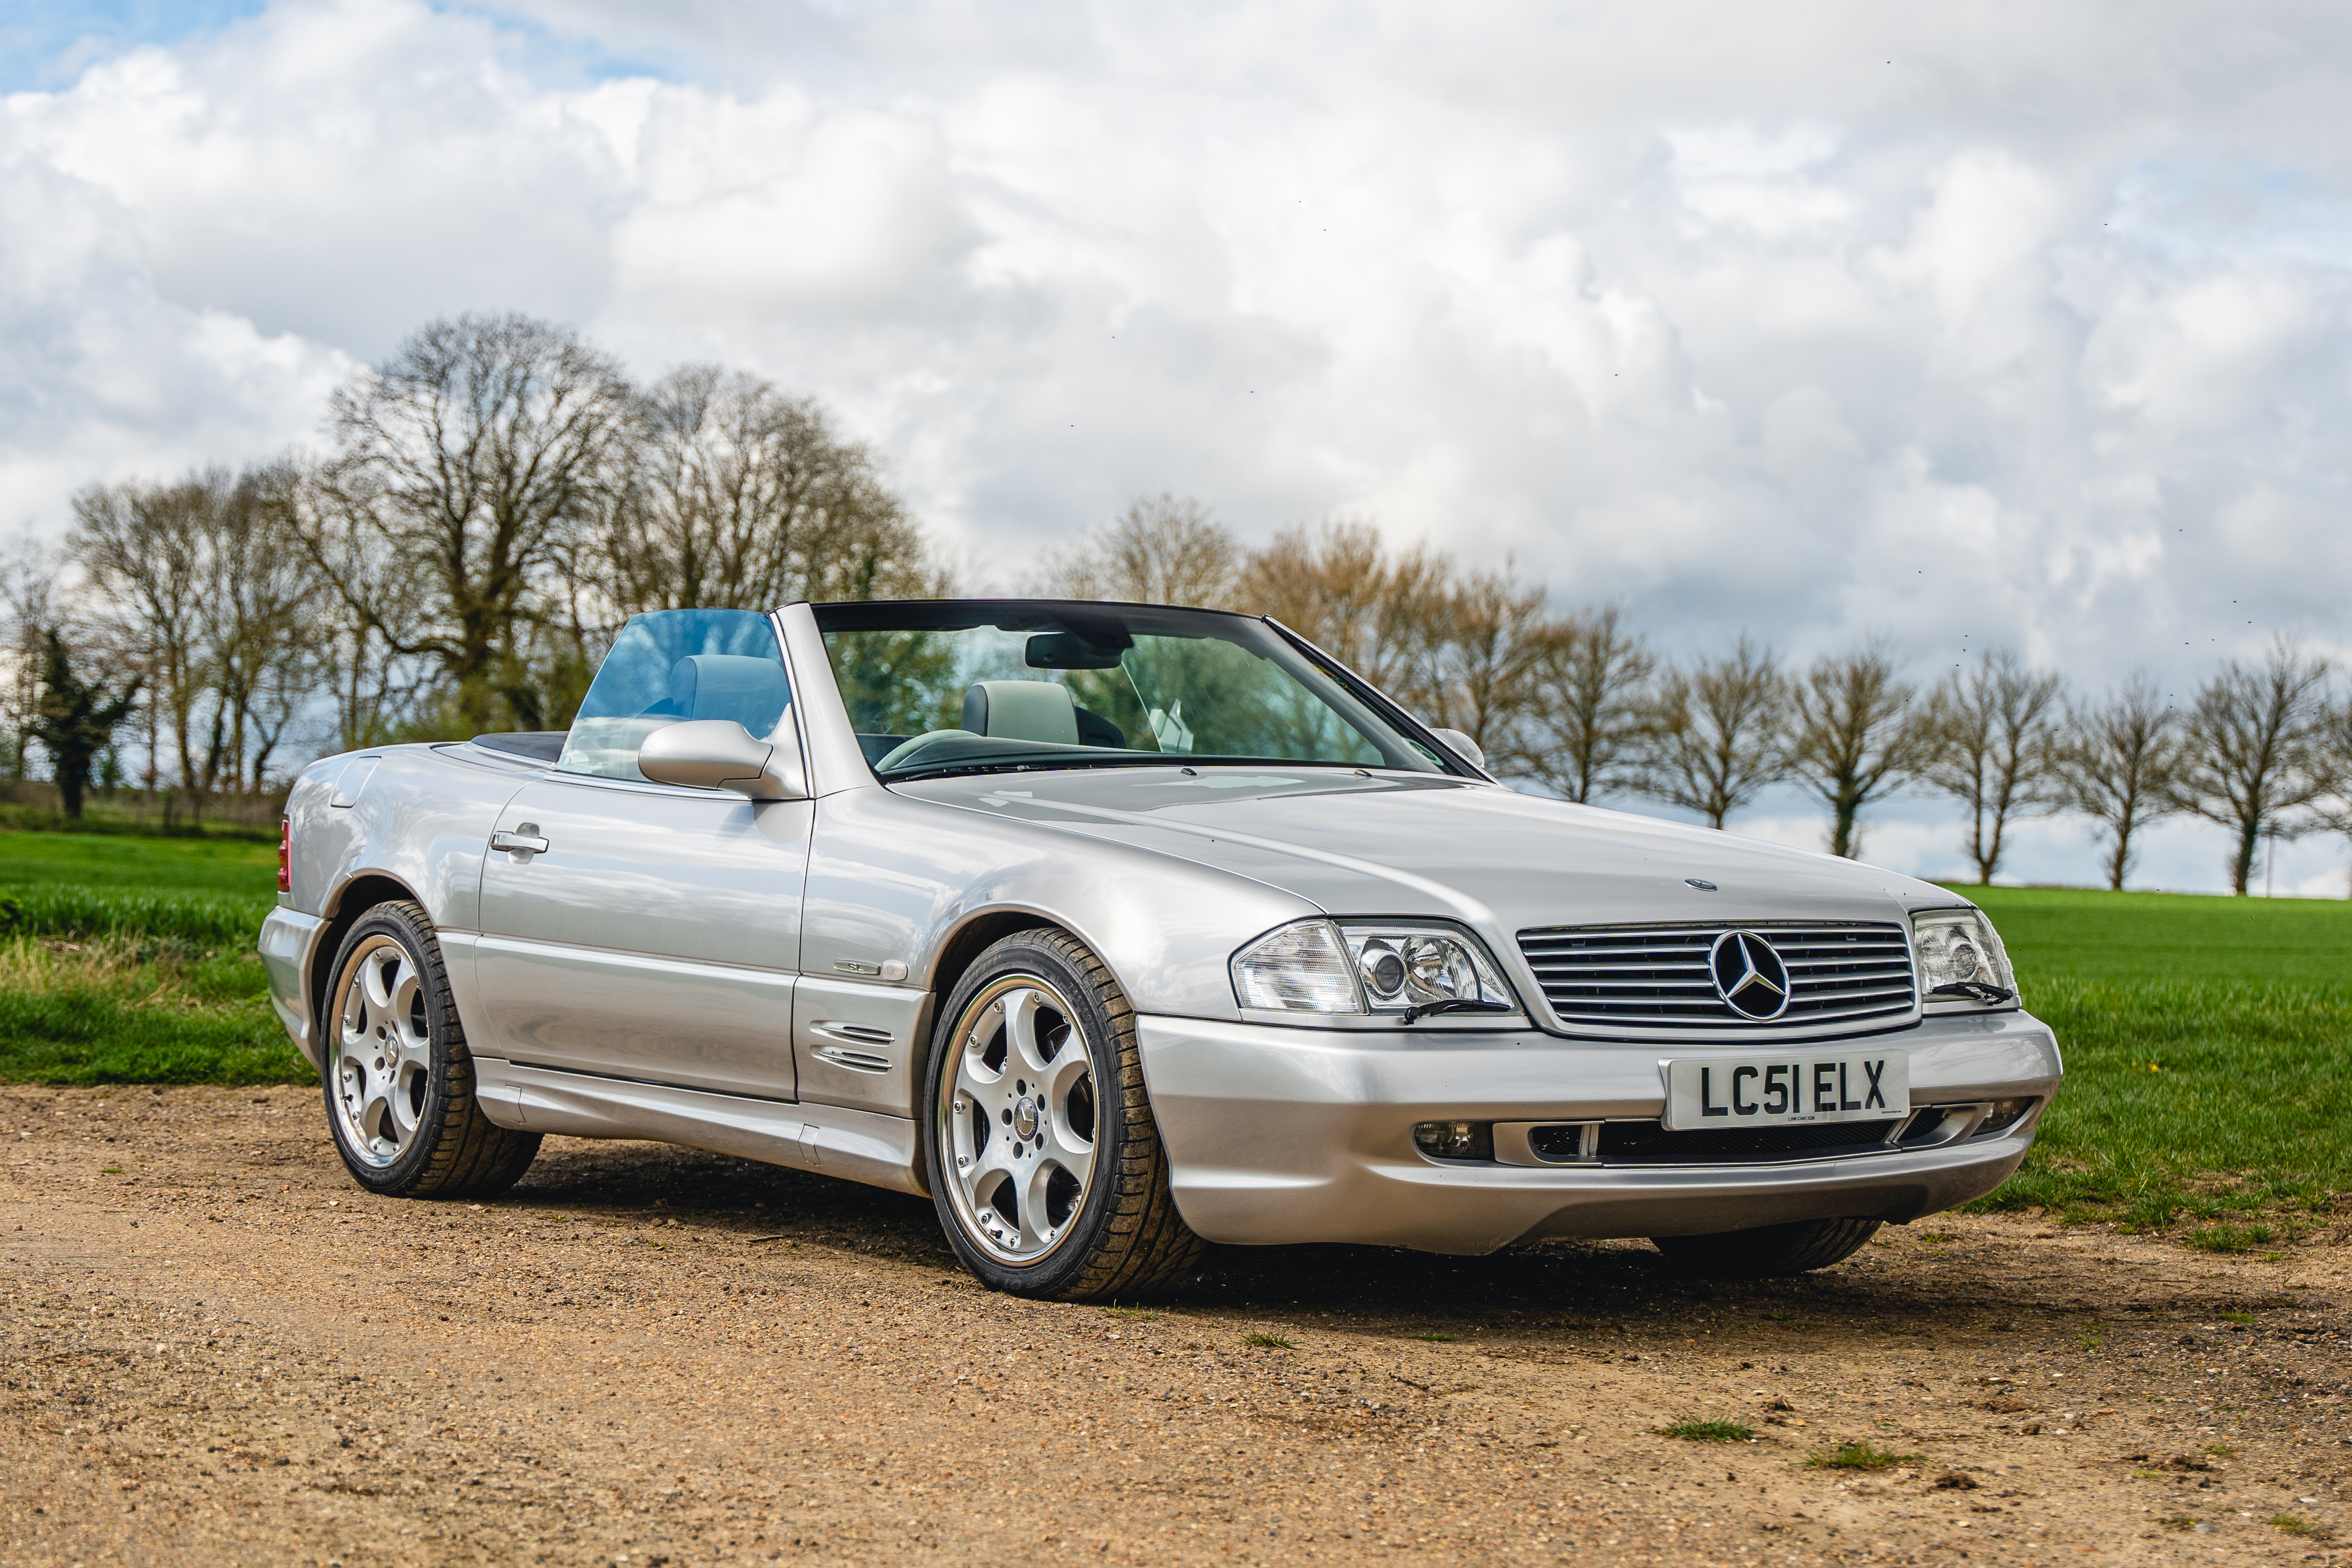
(1280, 1136)
(289, 942)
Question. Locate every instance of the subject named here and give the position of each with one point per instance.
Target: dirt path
(644, 1355)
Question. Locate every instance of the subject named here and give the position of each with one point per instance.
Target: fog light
(1455, 1140)
(2005, 1114)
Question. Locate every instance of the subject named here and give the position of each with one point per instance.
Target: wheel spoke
(993, 1173)
(1037, 1225)
(1020, 1010)
(371, 1115)
(1071, 1071)
(375, 984)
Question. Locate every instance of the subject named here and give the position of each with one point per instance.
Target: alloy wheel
(384, 1053)
(1018, 1120)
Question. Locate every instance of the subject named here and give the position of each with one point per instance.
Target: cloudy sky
(2020, 324)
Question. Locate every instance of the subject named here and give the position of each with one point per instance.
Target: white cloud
(1821, 320)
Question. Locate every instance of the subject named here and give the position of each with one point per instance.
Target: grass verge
(126, 1006)
(199, 921)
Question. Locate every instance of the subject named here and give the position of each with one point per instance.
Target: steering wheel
(899, 753)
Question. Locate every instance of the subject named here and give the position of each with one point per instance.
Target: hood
(1411, 844)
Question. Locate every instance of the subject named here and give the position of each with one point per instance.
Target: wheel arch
(975, 934)
(351, 900)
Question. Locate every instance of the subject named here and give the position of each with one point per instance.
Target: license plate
(1718, 1092)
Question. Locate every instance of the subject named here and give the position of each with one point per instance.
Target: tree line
(492, 501)
(1578, 705)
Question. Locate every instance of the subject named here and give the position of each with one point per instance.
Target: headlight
(1961, 957)
(1381, 967)
(1404, 969)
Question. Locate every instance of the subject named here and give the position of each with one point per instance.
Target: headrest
(749, 690)
(1022, 710)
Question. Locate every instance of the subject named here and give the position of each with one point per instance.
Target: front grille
(1648, 1144)
(1841, 977)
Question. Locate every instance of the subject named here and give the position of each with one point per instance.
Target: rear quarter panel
(420, 815)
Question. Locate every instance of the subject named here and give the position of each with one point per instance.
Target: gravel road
(214, 1349)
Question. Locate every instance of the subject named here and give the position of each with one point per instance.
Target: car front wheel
(1044, 1159)
(399, 1079)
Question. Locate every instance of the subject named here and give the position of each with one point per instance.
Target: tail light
(285, 855)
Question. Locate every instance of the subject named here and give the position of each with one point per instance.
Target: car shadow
(1889, 1288)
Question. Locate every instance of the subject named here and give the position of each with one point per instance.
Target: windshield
(970, 685)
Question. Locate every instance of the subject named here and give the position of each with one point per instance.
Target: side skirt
(831, 1140)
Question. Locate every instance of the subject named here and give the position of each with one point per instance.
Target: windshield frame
(1044, 614)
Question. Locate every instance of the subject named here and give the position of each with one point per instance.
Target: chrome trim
(855, 1061)
(855, 1033)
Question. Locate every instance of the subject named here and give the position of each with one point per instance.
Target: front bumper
(1281, 1135)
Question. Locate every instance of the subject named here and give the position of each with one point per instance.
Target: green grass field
(2074, 934)
(233, 867)
(2205, 1038)
(130, 960)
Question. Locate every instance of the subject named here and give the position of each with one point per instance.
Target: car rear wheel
(1043, 1160)
(399, 1079)
(1768, 1250)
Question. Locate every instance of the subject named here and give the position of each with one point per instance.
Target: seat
(749, 690)
(1022, 710)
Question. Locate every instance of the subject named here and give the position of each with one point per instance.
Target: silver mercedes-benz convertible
(1118, 930)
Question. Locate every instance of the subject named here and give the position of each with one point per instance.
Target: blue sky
(45, 44)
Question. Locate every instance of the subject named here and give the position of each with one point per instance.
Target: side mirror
(1461, 746)
(720, 754)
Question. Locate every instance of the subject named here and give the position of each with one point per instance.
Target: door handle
(518, 843)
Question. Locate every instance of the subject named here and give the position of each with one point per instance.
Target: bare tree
(467, 466)
(1993, 747)
(2118, 763)
(2333, 810)
(2251, 753)
(30, 570)
(1338, 586)
(1856, 737)
(746, 498)
(1480, 659)
(258, 634)
(1713, 734)
(147, 554)
(1586, 709)
(1163, 549)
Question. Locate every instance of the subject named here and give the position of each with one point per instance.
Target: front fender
(893, 881)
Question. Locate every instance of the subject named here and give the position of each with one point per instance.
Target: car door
(640, 930)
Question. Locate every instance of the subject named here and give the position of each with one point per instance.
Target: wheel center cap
(1025, 1118)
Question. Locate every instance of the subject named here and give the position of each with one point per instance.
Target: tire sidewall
(415, 939)
(1025, 954)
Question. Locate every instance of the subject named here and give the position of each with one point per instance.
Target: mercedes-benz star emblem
(1748, 974)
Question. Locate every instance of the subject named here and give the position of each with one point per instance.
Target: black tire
(1123, 1239)
(1769, 1250)
(413, 1130)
